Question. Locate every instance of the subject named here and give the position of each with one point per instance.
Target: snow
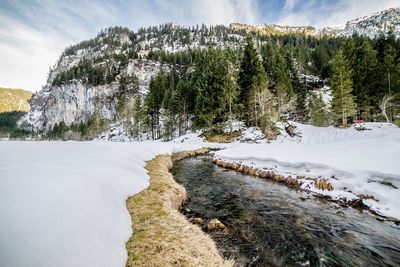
(355, 162)
(63, 203)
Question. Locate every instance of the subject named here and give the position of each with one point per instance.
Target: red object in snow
(358, 121)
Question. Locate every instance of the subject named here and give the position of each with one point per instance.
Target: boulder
(215, 224)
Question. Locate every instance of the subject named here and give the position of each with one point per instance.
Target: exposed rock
(214, 225)
(289, 128)
(357, 203)
(77, 101)
(197, 220)
(74, 102)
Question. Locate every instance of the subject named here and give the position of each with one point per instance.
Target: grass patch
(161, 235)
(215, 137)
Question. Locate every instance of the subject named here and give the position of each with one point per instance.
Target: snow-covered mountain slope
(372, 26)
(362, 160)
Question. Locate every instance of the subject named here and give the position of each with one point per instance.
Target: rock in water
(215, 224)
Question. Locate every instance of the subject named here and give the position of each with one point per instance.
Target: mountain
(274, 29)
(14, 100)
(90, 77)
(372, 26)
(93, 79)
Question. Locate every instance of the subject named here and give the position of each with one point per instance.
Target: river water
(272, 225)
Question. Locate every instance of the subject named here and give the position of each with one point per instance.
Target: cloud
(34, 33)
(289, 4)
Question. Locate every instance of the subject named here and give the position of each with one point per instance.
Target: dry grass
(266, 174)
(213, 137)
(161, 235)
(323, 184)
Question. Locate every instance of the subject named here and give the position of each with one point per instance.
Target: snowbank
(63, 203)
(355, 162)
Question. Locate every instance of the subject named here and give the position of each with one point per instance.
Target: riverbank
(162, 236)
(322, 187)
(270, 224)
(357, 165)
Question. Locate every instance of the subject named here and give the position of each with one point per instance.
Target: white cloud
(34, 34)
(29, 46)
(289, 4)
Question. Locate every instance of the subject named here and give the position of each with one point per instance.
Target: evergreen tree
(250, 67)
(153, 103)
(343, 105)
(317, 111)
(390, 66)
(138, 117)
(364, 79)
(213, 79)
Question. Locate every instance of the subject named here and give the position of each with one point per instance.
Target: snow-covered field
(63, 203)
(355, 162)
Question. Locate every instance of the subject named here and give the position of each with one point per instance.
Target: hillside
(14, 100)
(160, 81)
(384, 22)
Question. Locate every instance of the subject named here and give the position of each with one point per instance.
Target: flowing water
(272, 225)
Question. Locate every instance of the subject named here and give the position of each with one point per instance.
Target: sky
(33, 33)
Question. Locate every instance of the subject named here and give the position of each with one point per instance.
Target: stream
(269, 224)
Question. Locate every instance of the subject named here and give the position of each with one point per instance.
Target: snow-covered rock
(372, 26)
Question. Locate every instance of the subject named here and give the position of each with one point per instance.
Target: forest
(262, 85)
(263, 80)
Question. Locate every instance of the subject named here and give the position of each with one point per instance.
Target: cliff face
(77, 101)
(74, 102)
(88, 80)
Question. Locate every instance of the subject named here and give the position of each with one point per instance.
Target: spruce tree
(317, 111)
(342, 105)
(213, 81)
(250, 66)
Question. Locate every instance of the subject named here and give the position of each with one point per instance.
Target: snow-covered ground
(63, 203)
(355, 162)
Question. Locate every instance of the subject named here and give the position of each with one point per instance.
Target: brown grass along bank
(296, 182)
(161, 235)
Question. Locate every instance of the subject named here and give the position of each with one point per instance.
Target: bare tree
(386, 104)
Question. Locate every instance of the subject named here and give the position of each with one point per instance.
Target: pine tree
(364, 78)
(317, 111)
(250, 67)
(138, 115)
(153, 103)
(390, 66)
(230, 93)
(213, 79)
(343, 105)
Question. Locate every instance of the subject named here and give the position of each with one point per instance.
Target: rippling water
(272, 225)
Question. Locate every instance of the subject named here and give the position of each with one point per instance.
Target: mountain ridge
(90, 77)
